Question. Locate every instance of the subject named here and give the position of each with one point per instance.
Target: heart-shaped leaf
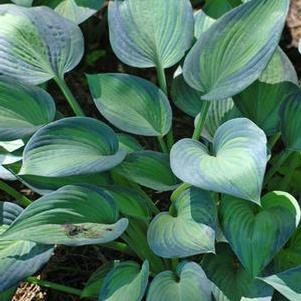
(246, 225)
(190, 283)
(23, 109)
(190, 231)
(231, 281)
(291, 122)
(150, 33)
(149, 169)
(73, 215)
(287, 283)
(37, 44)
(261, 101)
(18, 259)
(222, 65)
(82, 146)
(236, 165)
(126, 281)
(132, 104)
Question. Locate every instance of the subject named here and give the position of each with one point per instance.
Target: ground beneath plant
(73, 266)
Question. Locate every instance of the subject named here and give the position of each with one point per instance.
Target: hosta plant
(227, 226)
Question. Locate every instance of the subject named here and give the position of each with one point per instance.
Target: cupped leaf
(18, 259)
(262, 100)
(230, 279)
(37, 44)
(222, 65)
(150, 33)
(190, 283)
(287, 283)
(73, 215)
(126, 281)
(190, 231)
(236, 165)
(8, 213)
(291, 122)
(82, 146)
(246, 225)
(148, 168)
(23, 109)
(132, 104)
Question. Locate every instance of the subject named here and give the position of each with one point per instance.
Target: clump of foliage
(231, 230)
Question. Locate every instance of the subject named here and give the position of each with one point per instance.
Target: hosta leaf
(18, 259)
(94, 284)
(23, 2)
(190, 231)
(219, 112)
(287, 283)
(291, 122)
(231, 281)
(82, 146)
(290, 256)
(235, 166)
(8, 294)
(190, 283)
(132, 104)
(23, 109)
(261, 101)
(45, 185)
(73, 215)
(222, 65)
(246, 225)
(216, 8)
(131, 202)
(126, 281)
(8, 213)
(149, 169)
(202, 22)
(37, 44)
(128, 143)
(190, 100)
(78, 10)
(150, 33)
